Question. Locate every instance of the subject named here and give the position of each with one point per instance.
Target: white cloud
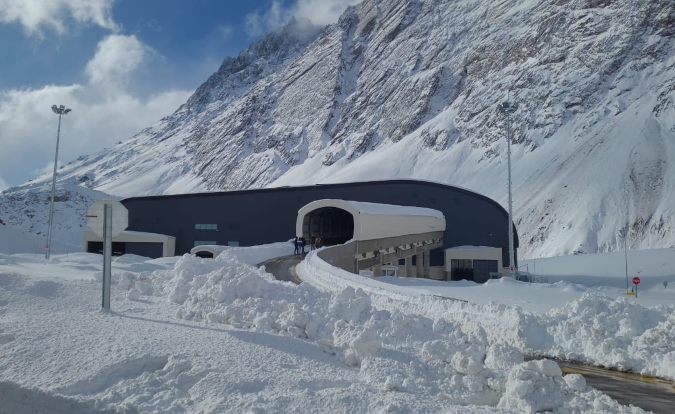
(37, 15)
(117, 56)
(101, 116)
(320, 12)
(258, 23)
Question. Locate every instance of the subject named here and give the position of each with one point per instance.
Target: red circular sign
(636, 280)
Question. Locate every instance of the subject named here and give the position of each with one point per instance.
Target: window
(206, 227)
(233, 243)
(461, 269)
(205, 243)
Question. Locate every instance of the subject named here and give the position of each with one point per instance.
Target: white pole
(107, 252)
(625, 253)
(51, 204)
(508, 108)
(512, 256)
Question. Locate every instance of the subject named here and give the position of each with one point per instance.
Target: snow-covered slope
(26, 211)
(410, 88)
(14, 240)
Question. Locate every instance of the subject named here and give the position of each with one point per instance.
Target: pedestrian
(317, 242)
(296, 246)
(312, 242)
(302, 243)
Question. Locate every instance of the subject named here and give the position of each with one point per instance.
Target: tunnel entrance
(333, 225)
(204, 254)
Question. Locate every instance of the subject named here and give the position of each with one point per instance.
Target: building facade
(261, 216)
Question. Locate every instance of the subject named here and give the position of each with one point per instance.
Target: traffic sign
(636, 280)
(95, 217)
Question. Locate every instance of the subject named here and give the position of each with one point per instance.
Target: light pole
(624, 233)
(507, 108)
(59, 110)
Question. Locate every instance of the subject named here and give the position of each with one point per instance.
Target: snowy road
(650, 394)
(283, 268)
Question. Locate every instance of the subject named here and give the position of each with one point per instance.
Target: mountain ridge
(409, 88)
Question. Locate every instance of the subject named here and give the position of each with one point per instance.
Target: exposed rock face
(409, 88)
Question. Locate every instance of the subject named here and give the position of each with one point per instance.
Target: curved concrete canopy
(214, 250)
(377, 221)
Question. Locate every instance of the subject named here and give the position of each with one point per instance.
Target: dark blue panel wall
(252, 217)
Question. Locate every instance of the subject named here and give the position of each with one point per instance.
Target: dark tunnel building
(261, 216)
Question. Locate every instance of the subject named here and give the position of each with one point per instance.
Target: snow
(388, 209)
(15, 240)
(220, 335)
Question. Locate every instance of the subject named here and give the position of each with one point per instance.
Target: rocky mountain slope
(409, 88)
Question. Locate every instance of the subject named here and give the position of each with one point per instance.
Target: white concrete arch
(374, 221)
(207, 250)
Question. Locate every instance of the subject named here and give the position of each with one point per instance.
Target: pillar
(408, 267)
(427, 261)
(377, 270)
(419, 267)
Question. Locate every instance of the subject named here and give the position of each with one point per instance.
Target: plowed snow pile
(220, 335)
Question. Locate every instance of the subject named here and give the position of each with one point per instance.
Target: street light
(507, 109)
(59, 110)
(624, 232)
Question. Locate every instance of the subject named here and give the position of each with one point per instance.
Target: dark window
(205, 242)
(461, 269)
(206, 227)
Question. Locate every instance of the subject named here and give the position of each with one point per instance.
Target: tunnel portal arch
(337, 221)
(333, 224)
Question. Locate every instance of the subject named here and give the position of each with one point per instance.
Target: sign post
(636, 282)
(107, 219)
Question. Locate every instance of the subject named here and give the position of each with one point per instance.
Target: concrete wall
(479, 253)
(435, 272)
(341, 256)
(168, 242)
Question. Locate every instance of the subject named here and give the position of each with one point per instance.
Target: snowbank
(220, 335)
(393, 350)
(595, 328)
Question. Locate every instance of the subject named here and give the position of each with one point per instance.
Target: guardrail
(531, 278)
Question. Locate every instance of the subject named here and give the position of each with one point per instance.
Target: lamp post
(507, 108)
(59, 110)
(624, 233)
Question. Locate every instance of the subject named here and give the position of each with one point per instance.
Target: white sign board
(96, 222)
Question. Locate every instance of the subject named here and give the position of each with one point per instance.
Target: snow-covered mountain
(409, 89)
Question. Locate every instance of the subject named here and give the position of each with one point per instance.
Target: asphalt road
(647, 393)
(283, 268)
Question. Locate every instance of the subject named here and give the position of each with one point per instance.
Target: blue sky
(121, 65)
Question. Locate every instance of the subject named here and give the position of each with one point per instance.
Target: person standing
(296, 246)
(302, 242)
(312, 242)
